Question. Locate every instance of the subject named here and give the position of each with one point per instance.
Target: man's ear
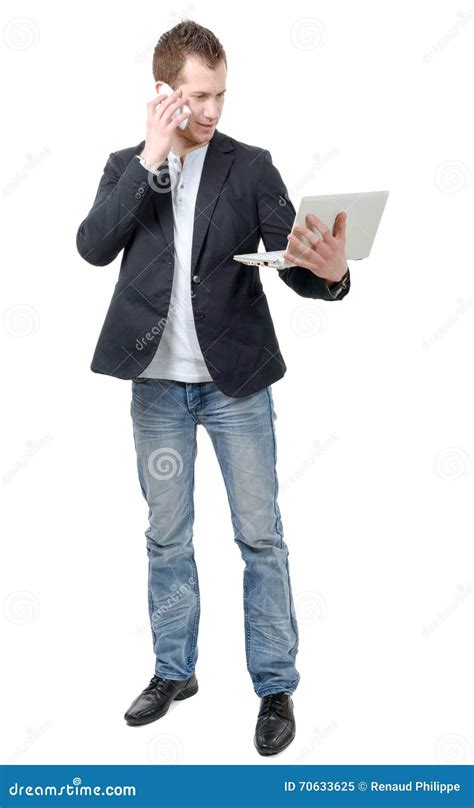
(157, 86)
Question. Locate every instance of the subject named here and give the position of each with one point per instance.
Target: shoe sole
(185, 694)
(269, 752)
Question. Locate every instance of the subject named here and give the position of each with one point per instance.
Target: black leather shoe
(276, 726)
(155, 700)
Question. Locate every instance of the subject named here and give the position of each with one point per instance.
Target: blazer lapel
(216, 167)
(217, 163)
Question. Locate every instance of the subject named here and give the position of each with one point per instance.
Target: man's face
(203, 92)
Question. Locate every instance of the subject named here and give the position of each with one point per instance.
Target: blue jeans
(165, 416)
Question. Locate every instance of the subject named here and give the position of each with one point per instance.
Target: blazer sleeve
(276, 215)
(114, 215)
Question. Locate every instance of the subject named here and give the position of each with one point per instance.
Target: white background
(374, 416)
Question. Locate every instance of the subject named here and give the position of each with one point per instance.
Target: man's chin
(203, 132)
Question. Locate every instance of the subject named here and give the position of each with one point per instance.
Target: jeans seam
(191, 660)
(281, 689)
(248, 642)
(278, 523)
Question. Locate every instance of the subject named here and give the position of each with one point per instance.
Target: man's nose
(211, 111)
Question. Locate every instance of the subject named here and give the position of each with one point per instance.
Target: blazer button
(193, 294)
(196, 279)
(138, 196)
(199, 314)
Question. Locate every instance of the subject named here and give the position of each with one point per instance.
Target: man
(192, 329)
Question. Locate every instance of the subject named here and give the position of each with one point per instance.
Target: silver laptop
(364, 212)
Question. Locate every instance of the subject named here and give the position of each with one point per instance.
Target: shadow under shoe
(276, 726)
(155, 700)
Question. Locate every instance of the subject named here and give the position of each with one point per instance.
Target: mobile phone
(167, 90)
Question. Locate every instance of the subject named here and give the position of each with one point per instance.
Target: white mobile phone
(167, 90)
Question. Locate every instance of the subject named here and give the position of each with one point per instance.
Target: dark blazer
(241, 199)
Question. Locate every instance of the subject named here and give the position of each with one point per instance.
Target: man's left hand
(325, 254)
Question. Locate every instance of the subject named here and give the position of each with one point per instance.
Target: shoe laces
(155, 683)
(272, 703)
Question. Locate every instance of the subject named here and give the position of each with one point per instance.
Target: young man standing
(192, 329)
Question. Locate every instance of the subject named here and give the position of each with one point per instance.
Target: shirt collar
(176, 159)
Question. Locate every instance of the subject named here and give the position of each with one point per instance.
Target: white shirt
(178, 356)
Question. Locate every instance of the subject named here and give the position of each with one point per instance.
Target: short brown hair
(188, 38)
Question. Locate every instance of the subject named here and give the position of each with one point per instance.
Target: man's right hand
(161, 126)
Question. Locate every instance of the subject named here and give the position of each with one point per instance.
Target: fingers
(322, 252)
(313, 221)
(302, 262)
(316, 243)
(158, 99)
(162, 103)
(339, 229)
(161, 96)
(326, 236)
(301, 251)
(340, 225)
(168, 114)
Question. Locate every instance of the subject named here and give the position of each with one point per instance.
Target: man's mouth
(206, 125)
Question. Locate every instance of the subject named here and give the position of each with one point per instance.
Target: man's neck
(182, 149)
